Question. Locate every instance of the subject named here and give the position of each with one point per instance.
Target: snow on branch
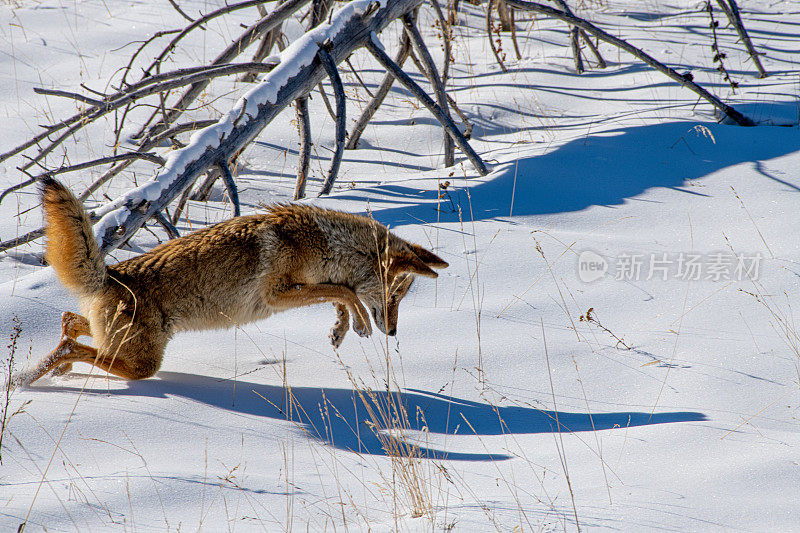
(298, 71)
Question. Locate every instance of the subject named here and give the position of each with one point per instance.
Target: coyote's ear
(429, 258)
(408, 262)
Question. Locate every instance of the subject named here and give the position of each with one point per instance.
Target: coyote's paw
(339, 329)
(364, 329)
(336, 336)
(74, 325)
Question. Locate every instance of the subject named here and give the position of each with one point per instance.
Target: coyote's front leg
(342, 296)
(339, 329)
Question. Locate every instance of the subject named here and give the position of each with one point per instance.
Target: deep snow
(695, 427)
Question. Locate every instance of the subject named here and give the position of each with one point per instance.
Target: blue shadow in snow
(598, 170)
(349, 424)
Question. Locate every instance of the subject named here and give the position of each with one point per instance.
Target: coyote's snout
(235, 272)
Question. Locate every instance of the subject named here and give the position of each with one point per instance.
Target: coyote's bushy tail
(71, 247)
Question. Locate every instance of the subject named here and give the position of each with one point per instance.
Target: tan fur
(235, 272)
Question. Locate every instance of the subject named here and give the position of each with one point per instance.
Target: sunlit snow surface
(613, 190)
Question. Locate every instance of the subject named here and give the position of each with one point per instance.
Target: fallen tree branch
(171, 230)
(230, 186)
(153, 85)
(304, 161)
(153, 158)
(116, 169)
(341, 124)
(732, 12)
(376, 49)
(685, 81)
(380, 95)
(436, 82)
(250, 35)
(298, 72)
(67, 94)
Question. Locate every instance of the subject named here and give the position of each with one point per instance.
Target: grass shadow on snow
(605, 169)
(348, 425)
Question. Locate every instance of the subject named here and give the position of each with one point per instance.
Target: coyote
(237, 271)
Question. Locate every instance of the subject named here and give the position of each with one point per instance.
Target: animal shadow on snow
(351, 426)
(605, 169)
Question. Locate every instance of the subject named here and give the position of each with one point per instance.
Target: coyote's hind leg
(73, 326)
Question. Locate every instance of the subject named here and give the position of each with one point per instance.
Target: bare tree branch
(383, 90)
(304, 130)
(351, 28)
(171, 230)
(732, 12)
(436, 82)
(636, 52)
(446, 36)
(67, 94)
(489, 27)
(152, 85)
(341, 125)
(250, 35)
(377, 50)
(230, 186)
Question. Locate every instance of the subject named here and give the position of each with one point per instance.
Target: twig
(514, 35)
(446, 36)
(358, 77)
(573, 37)
(155, 141)
(489, 5)
(304, 130)
(462, 116)
(601, 63)
(153, 85)
(194, 25)
(383, 90)
(230, 186)
(685, 81)
(171, 230)
(153, 158)
(67, 94)
(436, 82)
(248, 37)
(452, 103)
(416, 90)
(127, 69)
(176, 215)
(326, 101)
(341, 125)
(732, 12)
(589, 318)
(181, 12)
(268, 41)
(719, 55)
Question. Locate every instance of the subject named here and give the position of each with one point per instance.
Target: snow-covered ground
(615, 191)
